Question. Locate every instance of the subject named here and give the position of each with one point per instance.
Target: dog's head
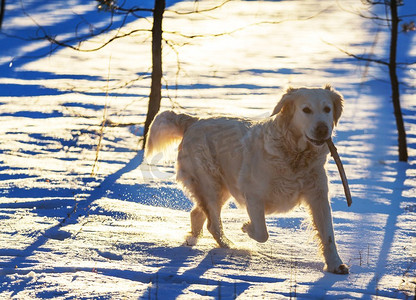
(311, 113)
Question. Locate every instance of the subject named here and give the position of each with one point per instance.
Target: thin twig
(103, 123)
(78, 48)
(110, 123)
(379, 61)
(200, 11)
(243, 27)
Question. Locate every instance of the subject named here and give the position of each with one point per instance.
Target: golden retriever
(267, 166)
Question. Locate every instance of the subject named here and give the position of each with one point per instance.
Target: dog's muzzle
(320, 134)
(315, 142)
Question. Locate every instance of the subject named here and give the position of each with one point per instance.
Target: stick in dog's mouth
(341, 171)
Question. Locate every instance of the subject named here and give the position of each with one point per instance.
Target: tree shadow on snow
(192, 271)
(29, 43)
(378, 189)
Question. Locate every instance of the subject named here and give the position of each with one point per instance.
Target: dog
(268, 166)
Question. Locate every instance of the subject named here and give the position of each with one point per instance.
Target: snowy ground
(77, 223)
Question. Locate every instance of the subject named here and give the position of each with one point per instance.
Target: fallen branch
(341, 171)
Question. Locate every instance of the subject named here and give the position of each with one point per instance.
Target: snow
(77, 223)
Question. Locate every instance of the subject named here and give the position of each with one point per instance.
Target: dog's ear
(338, 102)
(285, 104)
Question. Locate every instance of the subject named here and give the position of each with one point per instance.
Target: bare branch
(78, 48)
(368, 59)
(110, 123)
(374, 17)
(134, 9)
(178, 70)
(200, 11)
(243, 27)
(80, 39)
(378, 61)
(369, 15)
(104, 119)
(369, 2)
(111, 5)
(406, 64)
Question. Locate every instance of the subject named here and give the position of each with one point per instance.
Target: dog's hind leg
(215, 225)
(198, 172)
(209, 197)
(198, 218)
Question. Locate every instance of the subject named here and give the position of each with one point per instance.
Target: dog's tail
(165, 131)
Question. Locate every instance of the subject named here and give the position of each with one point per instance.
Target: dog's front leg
(256, 228)
(322, 221)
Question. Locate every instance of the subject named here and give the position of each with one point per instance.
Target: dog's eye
(307, 110)
(327, 109)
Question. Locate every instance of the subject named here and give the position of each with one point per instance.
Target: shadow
(170, 274)
(378, 188)
(27, 89)
(33, 114)
(200, 86)
(170, 281)
(320, 287)
(26, 26)
(78, 209)
(95, 107)
(34, 193)
(277, 71)
(67, 27)
(383, 263)
(20, 90)
(175, 283)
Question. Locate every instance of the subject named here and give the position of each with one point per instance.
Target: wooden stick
(334, 154)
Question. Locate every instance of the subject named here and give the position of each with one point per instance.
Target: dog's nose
(321, 131)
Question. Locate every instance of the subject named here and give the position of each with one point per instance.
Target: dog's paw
(341, 269)
(190, 241)
(261, 236)
(225, 243)
(246, 227)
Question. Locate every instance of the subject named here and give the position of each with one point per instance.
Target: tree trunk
(403, 156)
(2, 8)
(156, 85)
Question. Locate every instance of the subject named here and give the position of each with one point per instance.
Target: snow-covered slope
(77, 223)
